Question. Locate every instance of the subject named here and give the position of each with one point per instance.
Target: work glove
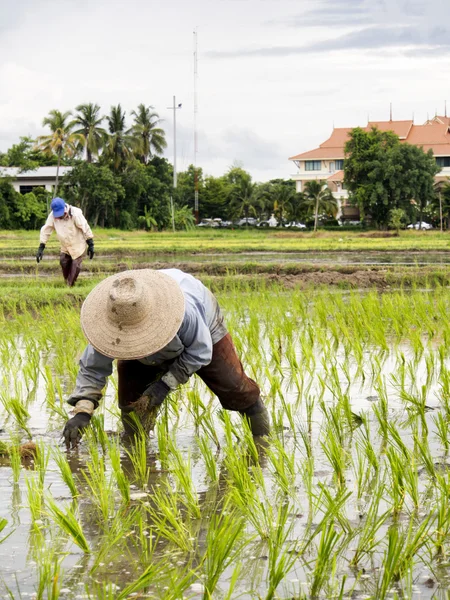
(90, 251)
(40, 252)
(73, 430)
(157, 392)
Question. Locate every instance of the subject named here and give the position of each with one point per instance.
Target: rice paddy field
(349, 497)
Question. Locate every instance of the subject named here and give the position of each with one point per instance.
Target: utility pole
(174, 107)
(196, 213)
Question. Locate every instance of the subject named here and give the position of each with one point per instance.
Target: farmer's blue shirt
(189, 351)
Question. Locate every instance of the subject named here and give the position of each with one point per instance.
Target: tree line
(120, 179)
(393, 183)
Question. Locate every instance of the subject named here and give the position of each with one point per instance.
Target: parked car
(417, 226)
(208, 223)
(223, 223)
(246, 222)
(295, 225)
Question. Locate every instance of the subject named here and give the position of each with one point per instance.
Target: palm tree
(319, 197)
(88, 119)
(118, 148)
(283, 199)
(148, 138)
(62, 140)
(243, 198)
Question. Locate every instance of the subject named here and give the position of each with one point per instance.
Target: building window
(443, 161)
(26, 189)
(313, 165)
(339, 164)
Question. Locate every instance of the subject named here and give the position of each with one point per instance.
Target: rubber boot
(130, 426)
(258, 418)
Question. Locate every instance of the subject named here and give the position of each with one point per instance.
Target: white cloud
(259, 109)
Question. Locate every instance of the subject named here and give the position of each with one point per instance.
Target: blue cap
(58, 207)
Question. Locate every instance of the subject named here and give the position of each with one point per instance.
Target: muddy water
(340, 258)
(20, 563)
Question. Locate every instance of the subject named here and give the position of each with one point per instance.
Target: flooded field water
(413, 258)
(357, 465)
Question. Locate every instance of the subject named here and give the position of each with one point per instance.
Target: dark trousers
(71, 267)
(224, 376)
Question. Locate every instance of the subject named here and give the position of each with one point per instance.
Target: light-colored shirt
(73, 230)
(190, 349)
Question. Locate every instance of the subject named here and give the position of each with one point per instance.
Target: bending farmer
(73, 233)
(163, 326)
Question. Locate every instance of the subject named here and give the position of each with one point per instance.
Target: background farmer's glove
(40, 252)
(157, 392)
(90, 251)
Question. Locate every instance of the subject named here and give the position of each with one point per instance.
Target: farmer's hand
(90, 251)
(74, 429)
(157, 392)
(40, 252)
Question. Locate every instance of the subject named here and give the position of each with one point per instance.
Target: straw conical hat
(133, 314)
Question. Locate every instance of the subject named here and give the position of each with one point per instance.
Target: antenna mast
(196, 213)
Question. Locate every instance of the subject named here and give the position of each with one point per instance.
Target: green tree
(7, 202)
(118, 148)
(213, 200)
(278, 198)
(61, 141)
(382, 173)
(30, 210)
(146, 221)
(184, 218)
(243, 198)
(26, 156)
(185, 191)
(96, 190)
(236, 175)
(147, 188)
(441, 202)
(88, 121)
(397, 219)
(147, 137)
(319, 199)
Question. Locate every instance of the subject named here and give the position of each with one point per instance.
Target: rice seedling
(49, 575)
(122, 481)
(225, 542)
(17, 411)
(167, 518)
(100, 484)
(209, 458)
(138, 456)
(401, 552)
(340, 469)
(65, 471)
(181, 473)
(326, 561)
(69, 523)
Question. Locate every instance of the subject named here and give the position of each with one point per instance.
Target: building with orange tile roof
(327, 161)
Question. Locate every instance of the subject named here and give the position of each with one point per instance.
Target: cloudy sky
(273, 75)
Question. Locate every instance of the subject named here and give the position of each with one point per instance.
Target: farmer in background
(162, 326)
(73, 233)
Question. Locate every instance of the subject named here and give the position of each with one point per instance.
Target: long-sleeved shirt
(190, 349)
(72, 231)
